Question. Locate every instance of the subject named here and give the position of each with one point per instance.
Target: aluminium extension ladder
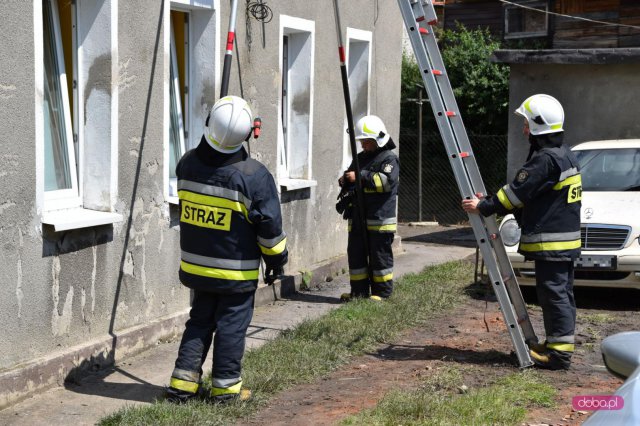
(419, 16)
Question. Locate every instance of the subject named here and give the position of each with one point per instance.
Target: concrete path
(141, 379)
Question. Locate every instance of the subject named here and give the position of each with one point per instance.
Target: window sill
(293, 184)
(172, 199)
(64, 220)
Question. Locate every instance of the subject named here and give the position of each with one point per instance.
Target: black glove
(272, 274)
(344, 204)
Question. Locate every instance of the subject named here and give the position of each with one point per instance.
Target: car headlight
(510, 232)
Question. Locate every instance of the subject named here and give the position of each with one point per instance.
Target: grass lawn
(318, 346)
(440, 401)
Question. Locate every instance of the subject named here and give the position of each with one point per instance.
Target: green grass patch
(438, 402)
(316, 347)
(598, 319)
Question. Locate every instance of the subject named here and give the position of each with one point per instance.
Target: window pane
(175, 147)
(56, 156)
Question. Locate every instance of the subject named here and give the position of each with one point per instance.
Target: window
(359, 72)
(520, 22)
(178, 94)
(192, 46)
(296, 103)
(76, 136)
(60, 170)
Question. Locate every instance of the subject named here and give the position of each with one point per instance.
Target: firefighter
(229, 219)
(379, 173)
(545, 197)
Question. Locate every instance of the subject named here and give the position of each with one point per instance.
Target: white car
(610, 218)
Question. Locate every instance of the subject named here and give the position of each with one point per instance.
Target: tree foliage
(481, 87)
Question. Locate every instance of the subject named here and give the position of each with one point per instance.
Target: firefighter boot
(179, 396)
(537, 347)
(230, 394)
(553, 358)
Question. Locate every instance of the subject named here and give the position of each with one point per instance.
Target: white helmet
(371, 127)
(543, 113)
(229, 124)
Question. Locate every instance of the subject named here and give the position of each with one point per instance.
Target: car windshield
(610, 169)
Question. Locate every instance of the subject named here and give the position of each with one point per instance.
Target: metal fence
(440, 193)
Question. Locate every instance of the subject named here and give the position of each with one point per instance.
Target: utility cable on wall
(261, 13)
(612, 24)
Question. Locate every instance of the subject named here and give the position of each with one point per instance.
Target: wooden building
(529, 20)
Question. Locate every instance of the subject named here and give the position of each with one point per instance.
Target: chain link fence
(440, 193)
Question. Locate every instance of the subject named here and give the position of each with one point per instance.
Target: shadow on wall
(296, 195)
(57, 243)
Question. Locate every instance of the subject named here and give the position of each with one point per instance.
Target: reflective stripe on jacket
(548, 190)
(229, 218)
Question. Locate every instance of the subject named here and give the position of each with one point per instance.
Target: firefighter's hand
(350, 176)
(272, 274)
(341, 181)
(471, 206)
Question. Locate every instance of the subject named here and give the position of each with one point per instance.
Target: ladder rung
(423, 30)
(433, 22)
(450, 113)
(420, 18)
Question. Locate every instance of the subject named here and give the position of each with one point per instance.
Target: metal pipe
(231, 35)
(352, 139)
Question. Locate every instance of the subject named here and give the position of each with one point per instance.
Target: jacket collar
(214, 158)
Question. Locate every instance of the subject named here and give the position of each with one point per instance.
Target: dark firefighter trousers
(554, 286)
(381, 263)
(229, 316)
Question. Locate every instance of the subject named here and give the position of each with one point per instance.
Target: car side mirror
(621, 352)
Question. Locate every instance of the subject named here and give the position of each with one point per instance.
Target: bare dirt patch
(472, 335)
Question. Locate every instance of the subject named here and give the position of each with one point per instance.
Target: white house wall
(83, 288)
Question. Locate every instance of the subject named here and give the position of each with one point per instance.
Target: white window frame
(182, 122)
(355, 36)
(203, 72)
(290, 26)
(65, 198)
(68, 210)
(538, 4)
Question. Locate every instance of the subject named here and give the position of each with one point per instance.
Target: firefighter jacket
(548, 190)
(229, 217)
(379, 171)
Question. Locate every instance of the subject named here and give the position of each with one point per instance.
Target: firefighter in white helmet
(379, 172)
(545, 198)
(229, 219)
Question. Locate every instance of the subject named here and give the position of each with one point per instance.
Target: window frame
(70, 197)
(290, 27)
(183, 125)
(80, 209)
(202, 76)
(523, 34)
(356, 36)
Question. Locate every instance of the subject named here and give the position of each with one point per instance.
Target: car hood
(616, 208)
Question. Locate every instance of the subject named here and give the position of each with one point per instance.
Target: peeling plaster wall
(315, 231)
(63, 289)
(597, 100)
